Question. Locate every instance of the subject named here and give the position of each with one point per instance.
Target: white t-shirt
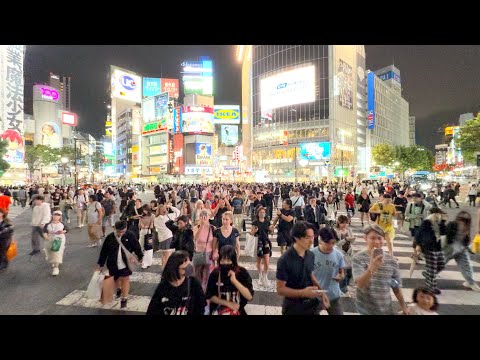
(120, 264)
(417, 310)
(92, 212)
(80, 200)
(295, 203)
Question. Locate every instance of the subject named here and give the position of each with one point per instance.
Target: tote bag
(251, 245)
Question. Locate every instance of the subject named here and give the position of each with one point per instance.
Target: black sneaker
(34, 252)
(119, 293)
(123, 303)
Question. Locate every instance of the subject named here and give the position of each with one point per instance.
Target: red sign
(69, 118)
(170, 86)
(178, 163)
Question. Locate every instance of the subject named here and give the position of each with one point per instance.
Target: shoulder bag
(132, 260)
(12, 250)
(200, 257)
(221, 309)
(148, 238)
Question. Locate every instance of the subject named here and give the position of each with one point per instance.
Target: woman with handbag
(177, 293)
(146, 236)
(6, 234)
(163, 223)
(203, 237)
(121, 252)
(229, 286)
(54, 235)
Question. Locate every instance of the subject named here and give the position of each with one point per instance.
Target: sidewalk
(16, 210)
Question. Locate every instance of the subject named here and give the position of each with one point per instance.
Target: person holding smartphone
(376, 272)
(329, 269)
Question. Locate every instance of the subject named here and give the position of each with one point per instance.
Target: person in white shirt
(41, 215)
(81, 201)
(165, 235)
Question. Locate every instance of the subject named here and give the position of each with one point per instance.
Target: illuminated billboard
(198, 170)
(171, 87)
(69, 118)
(203, 154)
(226, 114)
(371, 100)
(153, 127)
(51, 135)
(12, 101)
(288, 88)
(229, 135)
(161, 106)
(315, 151)
(198, 77)
(126, 85)
(197, 119)
(148, 109)
(178, 163)
(151, 86)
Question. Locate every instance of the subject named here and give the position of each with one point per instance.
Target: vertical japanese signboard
(11, 101)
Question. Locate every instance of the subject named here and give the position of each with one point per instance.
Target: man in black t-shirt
(285, 217)
(268, 197)
(295, 279)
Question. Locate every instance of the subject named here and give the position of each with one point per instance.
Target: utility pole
(295, 164)
(76, 163)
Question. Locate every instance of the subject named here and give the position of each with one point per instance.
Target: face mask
(261, 216)
(224, 269)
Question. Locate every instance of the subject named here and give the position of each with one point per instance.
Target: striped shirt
(375, 299)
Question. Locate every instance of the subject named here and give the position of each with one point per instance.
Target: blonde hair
(230, 215)
(198, 202)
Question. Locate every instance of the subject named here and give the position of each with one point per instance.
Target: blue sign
(315, 151)
(161, 106)
(128, 82)
(151, 86)
(389, 75)
(203, 149)
(371, 100)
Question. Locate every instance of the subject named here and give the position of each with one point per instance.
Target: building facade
(411, 132)
(63, 84)
(304, 110)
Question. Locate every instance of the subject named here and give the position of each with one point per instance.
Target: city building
(123, 143)
(62, 83)
(463, 118)
(301, 111)
(411, 123)
(390, 124)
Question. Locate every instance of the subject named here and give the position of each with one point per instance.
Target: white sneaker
(260, 279)
(91, 245)
(266, 282)
(68, 221)
(55, 271)
(474, 287)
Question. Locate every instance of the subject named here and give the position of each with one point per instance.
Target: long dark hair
(427, 292)
(228, 252)
(171, 272)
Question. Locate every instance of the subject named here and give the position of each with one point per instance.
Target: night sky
(439, 82)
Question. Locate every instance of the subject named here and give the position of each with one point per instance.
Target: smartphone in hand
(377, 252)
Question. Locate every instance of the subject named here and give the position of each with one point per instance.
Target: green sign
(155, 126)
(339, 172)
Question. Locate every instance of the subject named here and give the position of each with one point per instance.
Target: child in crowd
(424, 302)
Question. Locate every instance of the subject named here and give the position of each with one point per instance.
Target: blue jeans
(344, 283)
(462, 257)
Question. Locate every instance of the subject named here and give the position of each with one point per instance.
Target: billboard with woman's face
(51, 135)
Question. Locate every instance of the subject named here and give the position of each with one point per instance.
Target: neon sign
(49, 93)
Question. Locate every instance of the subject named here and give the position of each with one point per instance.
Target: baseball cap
(369, 228)
(57, 212)
(436, 210)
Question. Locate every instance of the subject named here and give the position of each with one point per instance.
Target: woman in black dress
(260, 229)
(364, 202)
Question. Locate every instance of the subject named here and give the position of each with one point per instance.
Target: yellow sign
(450, 129)
(134, 148)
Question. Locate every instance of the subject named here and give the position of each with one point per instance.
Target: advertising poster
(161, 109)
(11, 101)
(197, 120)
(178, 162)
(229, 135)
(51, 135)
(151, 87)
(126, 85)
(226, 114)
(148, 110)
(371, 100)
(203, 154)
(345, 84)
(288, 88)
(171, 87)
(315, 151)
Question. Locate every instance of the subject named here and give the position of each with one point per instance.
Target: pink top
(202, 238)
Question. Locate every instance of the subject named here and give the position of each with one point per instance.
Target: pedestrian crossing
(455, 297)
